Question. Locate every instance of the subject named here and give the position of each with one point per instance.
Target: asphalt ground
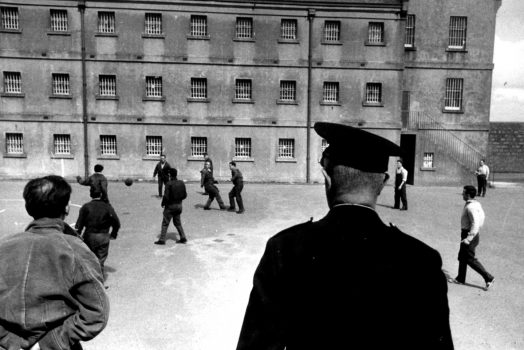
(193, 296)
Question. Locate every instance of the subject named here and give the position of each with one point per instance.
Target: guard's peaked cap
(356, 148)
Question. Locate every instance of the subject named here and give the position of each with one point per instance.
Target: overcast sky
(507, 97)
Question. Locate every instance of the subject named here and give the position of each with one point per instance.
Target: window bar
(12, 83)
(15, 143)
(243, 147)
(288, 29)
(10, 18)
(199, 26)
(59, 20)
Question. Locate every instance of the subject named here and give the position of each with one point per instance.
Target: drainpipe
(81, 8)
(310, 16)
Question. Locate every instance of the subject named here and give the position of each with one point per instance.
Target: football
(128, 181)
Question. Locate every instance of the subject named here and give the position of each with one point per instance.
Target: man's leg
(166, 219)
(397, 198)
(232, 195)
(479, 185)
(209, 200)
(220, 201)
(178, 225)
(240, 202)
(160, 183)
(404, 198)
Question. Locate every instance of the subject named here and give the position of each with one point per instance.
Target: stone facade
(506, 147)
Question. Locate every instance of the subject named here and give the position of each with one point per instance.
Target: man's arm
(115, 224)
(473, 215)
(84, 182)
(80, 222)
(155, 171)
(103, 186)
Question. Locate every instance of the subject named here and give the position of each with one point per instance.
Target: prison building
(121, 82)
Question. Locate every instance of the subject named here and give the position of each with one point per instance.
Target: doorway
(408, 144)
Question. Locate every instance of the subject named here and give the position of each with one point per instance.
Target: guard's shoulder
(295, 230)
(408, 242)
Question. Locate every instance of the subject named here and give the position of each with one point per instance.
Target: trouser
(160, 183)
(172, 211)
(99, 244)
(214, 193)
(467, 258)
(482, 181)
(235, 193)
(400, 195)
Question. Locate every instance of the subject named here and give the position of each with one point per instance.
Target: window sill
(235, 100)
(244, 159)
(195, 159)
(286, 160)
(410, 48)
(428, 169)
(458, 49)
(153, 158)
(100, 97)
(367, 104)
(330, 42)
(367, 43)
(288, 41)
(201, 100)
(153, 99)
(456, 111)
(108, 157)
(326, 103)
(283, 102)
(12, 31)
(62, 156)
(247, 40)
(198, 37)
(11, 94)
(110, 35)
(57, 33)
(63, 97)
(15, 155)
(153, 36)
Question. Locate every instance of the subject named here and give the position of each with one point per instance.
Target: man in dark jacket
(51, 286)
(203, 171)
(238, 185)
(348, 281)
(208, 181)
(162, 170)
(97, 217)
(172, 203)
(97, 182)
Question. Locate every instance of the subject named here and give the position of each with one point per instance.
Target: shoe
(489, 284)
(240, 211)
(454, 280)
(396, 208)
(231, 209)
(207, 208)
(223, 208)
(403, 208)
(159, 242)
(182, 240)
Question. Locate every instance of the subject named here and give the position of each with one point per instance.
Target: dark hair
(233, 163)
(47, 197)
(471, 191)
(400, 160)
(99, 168)
(95, 193)
(173, 173)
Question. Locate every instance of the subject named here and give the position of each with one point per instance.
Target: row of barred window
(244, 27)
(107, 87)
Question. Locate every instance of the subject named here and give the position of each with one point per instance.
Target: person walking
(51, 286)
(95, 218)
(348, 281)
(238, 185)
(174, 194)
(482, 178)
(400, 187)
(208, 181)
(97, 182)
(471, 221)
(206, 159)
(162, 170)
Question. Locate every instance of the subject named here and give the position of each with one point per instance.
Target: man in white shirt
(482, 178)
(471, 221)
(401, 177)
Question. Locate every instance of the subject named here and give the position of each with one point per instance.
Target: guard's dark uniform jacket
(347, 281)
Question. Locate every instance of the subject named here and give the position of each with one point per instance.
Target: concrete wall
(506, 147)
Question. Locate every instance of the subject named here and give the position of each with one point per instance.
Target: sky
(507, 95)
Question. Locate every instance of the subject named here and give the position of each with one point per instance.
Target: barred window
(107, 85)
(59, 21)
(10, 18)
(243, 89)
(199, 26)
(288, 90)
(242, 147)
(108, 145)
(374, 93)
(286, 148)
(331, 31)
(153, 145)
(14, 143)
(453, 98)
(244, 28)
(198, 146)
(61, 84)
(153, 86)
(153, 24)
(376, 33)
(199, 88)
(62, 144)
(288, 29)
(12, 83)
(106, 22)
(428, 160)
(323, 145)
(410, 31)
(457, 32)
(330, 92)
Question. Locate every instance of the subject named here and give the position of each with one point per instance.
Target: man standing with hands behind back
(162, 170)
